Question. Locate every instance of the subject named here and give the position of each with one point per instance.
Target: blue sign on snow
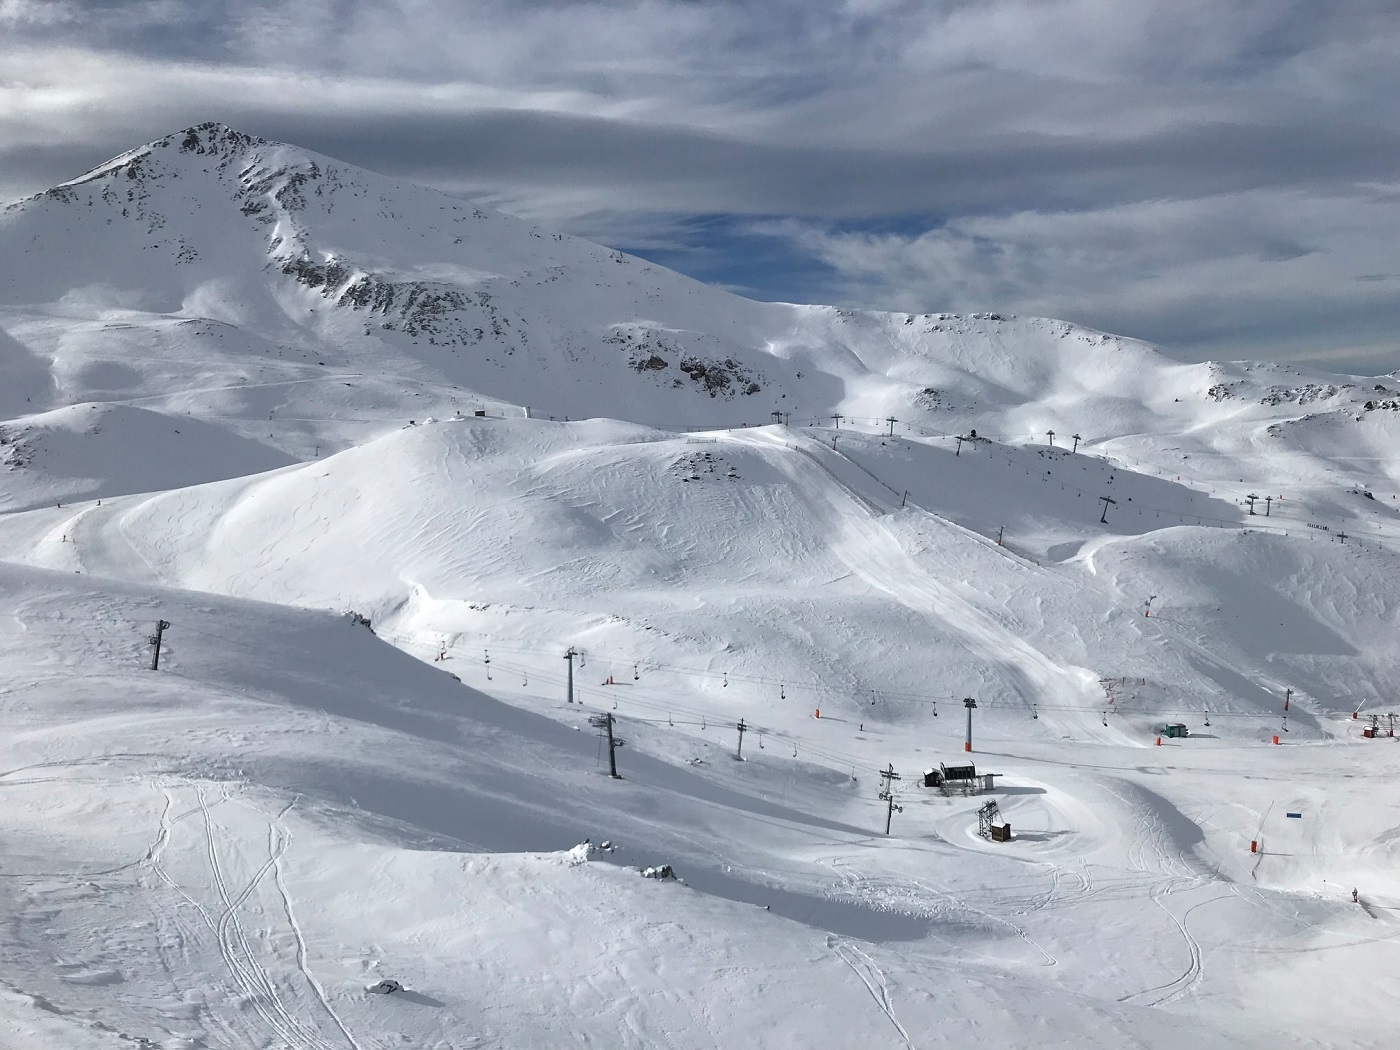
(1297, 816)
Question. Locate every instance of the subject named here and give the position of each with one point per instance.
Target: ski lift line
(640, 698)
(816, 686)
(645, 699)
(831, 757)
(818, 689)
(1158, 511)
(825, 754)
(878, 423)
(660, 706)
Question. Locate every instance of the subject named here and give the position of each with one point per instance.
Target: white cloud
(16, 14)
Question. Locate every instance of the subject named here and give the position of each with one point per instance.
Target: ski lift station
(1174, 729)
(964, 779)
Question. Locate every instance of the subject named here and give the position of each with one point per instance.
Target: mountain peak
(212, 137)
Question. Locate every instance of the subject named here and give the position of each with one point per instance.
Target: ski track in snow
(872, 977)
(284, 1011)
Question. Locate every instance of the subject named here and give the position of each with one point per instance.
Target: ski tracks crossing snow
(282, 992)
(872, 977)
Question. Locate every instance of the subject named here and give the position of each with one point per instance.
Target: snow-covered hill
(249, 389)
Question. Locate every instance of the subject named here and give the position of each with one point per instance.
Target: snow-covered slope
(227, 854)
(242, 386)
(89, 450)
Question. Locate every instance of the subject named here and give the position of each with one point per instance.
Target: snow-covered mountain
(249, 389)
(281, 270)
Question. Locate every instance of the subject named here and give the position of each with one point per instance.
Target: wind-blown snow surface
(240, 393)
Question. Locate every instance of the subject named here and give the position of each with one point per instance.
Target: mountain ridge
(483, 301)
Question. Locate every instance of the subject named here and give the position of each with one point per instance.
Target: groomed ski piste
(226, 852)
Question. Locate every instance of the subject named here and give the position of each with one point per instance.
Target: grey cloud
(1193, 275)
(1024, 151)
(678, 169)
(30, 169)
(682, 169)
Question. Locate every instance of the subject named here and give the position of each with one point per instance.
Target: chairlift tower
(154, 641)
(605, 722)
(569, 656)
(971, 704)
(887, 778)
(988, 817)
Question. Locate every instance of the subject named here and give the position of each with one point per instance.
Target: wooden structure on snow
(990, 824)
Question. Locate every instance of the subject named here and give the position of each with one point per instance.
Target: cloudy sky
(1221, 177)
